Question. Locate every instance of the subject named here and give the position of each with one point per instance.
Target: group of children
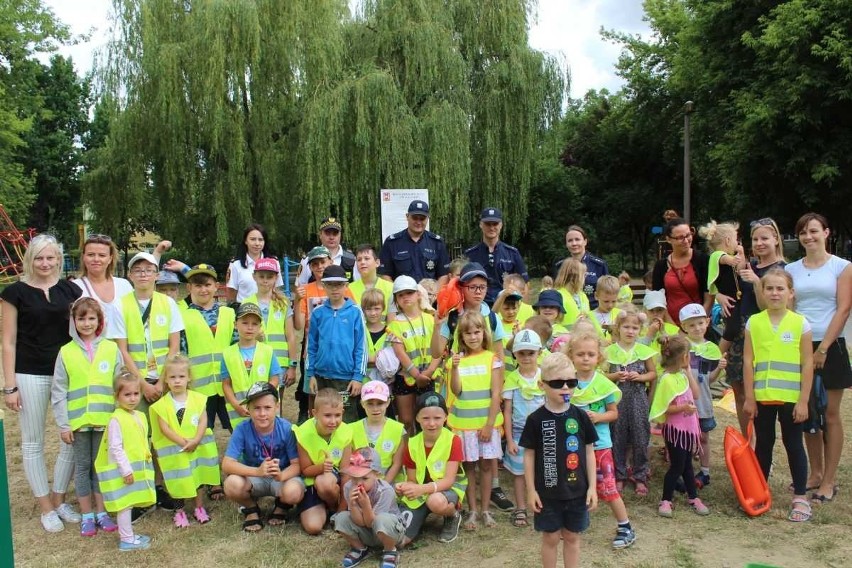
(404, 409)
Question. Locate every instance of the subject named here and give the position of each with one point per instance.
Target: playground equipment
(746, 475)
(13, 244)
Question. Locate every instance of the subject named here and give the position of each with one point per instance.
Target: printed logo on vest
(261, 370)
(103, 367)
(336, 453)
(278, 315)
(438, 466)
(194, 420)
(787, 337)
(161, 320)
(387, 446)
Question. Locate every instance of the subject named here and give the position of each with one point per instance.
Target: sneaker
(498, 497)
(88, 527)
(180, 519)
(67, 513)
(164, 500)
(354, 557)
(52, 523)
(699, 507)
(139, 512)
(624, 537)
(702, 480)
(665, 509)
(139, 542)
(450, 530)
(106, 524)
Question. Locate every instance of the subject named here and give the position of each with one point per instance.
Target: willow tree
(285, 112)
(209, 103)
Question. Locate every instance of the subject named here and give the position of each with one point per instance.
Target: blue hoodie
(337, 344)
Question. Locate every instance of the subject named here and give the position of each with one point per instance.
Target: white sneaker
(67, 513)
(52, 523)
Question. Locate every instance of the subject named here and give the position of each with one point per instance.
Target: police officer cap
(418, 207)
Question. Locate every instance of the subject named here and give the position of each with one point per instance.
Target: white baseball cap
(690, 311)
(526, 340)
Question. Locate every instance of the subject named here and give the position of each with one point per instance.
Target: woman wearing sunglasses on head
(767, 253)
(98, 260)
(683, 273)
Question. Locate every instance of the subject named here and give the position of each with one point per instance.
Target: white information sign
(394, 207)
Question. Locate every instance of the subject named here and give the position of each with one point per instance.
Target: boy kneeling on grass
(372, 514)
(262, 460)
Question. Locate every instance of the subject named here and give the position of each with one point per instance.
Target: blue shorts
(311, 498)
(707, 424)
(571, 515)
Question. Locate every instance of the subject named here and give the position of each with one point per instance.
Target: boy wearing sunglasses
(559, 464)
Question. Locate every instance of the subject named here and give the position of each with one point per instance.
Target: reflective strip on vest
(113, 474)
(93, 407)
(178, 474)
(175, 450)
(777, 384)
(777, 366)
(92, 389)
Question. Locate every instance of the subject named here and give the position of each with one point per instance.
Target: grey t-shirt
(382, 497)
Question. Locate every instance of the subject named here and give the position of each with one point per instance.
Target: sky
(566, 29)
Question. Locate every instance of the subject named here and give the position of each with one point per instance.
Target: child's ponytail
(672, 349)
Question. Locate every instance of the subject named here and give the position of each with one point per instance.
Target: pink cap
(375, 390)
(267, 264)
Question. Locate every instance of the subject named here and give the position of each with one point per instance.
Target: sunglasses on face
(557, 384)
(98, 238)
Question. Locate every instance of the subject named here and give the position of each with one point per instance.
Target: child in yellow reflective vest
(477, 388)
(185, 446)
(124, 466)
(777, 376)
(377, 431)
(83, 401)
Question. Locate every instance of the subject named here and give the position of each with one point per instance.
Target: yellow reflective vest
(275, 331)
(470, 407)
(205, 349)
(386, 286)
(436, 464)
(241, 379)
(90, 393)
(159, 324)
(318, 448)
(416, 336)
(387, 444)
(118, 495)
(184, 472)
(777, 358)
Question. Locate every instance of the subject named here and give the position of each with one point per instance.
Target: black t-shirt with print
(559, 442)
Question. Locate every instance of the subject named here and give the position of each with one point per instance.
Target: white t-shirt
(112, 310)
(816, 292)
(242, 279)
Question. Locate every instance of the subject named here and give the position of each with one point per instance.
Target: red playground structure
(13, 244)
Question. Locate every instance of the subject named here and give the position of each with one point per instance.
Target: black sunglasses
(559, 383)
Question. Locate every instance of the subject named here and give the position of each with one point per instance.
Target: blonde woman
(36, 313)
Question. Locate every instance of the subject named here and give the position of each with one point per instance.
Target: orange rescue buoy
(746, 476)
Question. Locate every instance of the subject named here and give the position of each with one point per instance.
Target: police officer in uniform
(495, 256)
(415, 251)
(575, 242)
(329, 235)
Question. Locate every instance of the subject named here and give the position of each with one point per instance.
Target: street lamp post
(687, 110)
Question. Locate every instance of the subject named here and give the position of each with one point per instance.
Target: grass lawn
(726, 538)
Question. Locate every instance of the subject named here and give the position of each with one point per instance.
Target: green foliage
(285, 112)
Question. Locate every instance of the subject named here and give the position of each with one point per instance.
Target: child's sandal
(800, 511)
(641, 489)
(201, 515)
(252, 525)
(519, 518)
(278, 517)
(471, 523)
(488, 520)
(180, 519)
(215, 493)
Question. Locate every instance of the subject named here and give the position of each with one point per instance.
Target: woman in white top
(241, 282)
(97, 280)
(823, 286)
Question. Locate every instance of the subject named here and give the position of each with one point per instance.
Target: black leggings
(791, 435)
(216, 407)
(680, 465)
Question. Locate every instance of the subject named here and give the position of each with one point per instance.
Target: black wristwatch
(12, 390)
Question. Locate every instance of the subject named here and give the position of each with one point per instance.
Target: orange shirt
(314, 296)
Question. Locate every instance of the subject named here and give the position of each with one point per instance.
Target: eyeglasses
(477, 288)
(557, 384)
(680, 237)
(144, 272)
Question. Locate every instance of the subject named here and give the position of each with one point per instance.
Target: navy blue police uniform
(505, 259)
(595, 268)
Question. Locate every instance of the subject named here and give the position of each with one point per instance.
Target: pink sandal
(180, 519)
(201, 515)
(641, 489)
